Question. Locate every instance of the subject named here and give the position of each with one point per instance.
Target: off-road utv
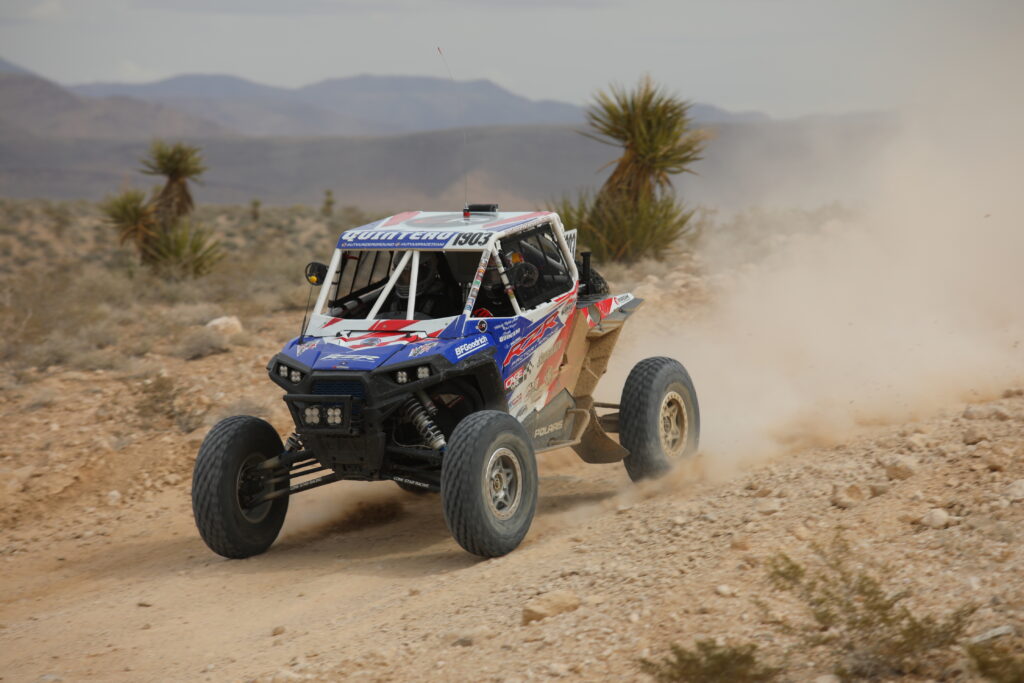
(444, 351)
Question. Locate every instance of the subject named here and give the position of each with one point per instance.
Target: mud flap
(596, 446)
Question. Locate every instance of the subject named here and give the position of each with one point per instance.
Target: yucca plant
(635, 213)
(654, 131)
(185, 251)
(133, 217)
(178, 163)
(327, 210)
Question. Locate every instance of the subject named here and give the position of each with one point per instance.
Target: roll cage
(383, 274)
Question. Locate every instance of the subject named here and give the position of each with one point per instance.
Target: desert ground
(104, 577)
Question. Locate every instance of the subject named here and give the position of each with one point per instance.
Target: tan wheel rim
(503, 483)
(672, 424)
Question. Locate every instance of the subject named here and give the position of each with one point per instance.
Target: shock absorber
(417, 414)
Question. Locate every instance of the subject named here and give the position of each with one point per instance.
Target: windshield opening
(391, 284)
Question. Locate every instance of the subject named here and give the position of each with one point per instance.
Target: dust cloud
(912, 304)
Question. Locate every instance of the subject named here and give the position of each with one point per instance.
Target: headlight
(334, 416)
(295, 376)
(282, 370)
(402, 376)
(423, 372)
(312, 415)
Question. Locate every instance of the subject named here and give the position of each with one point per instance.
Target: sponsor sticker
(419, 350)
(302, 348)
(482, 326)
(350, 356)
(515, 379)
(469, 347)
(508, 336)
(524, 344)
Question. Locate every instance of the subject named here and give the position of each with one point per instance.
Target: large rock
(936, 518)
(227, 325)
(900, 467)
(550, 604)
(1015, 491)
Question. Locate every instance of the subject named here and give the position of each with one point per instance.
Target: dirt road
(366, 583)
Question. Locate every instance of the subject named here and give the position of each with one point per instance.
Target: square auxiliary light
(402, 376)
(282, 370)
(423, 372)
(312, 415)
(295, 376)
(334, 415)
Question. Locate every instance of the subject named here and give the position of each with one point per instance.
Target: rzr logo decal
(521, 346)
(350, 356)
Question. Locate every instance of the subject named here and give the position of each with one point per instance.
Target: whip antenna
(465, 176)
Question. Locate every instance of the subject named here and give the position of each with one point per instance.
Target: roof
(438, 230)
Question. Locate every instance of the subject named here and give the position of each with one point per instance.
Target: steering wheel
(524, 274)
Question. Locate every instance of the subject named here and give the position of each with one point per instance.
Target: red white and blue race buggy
(444, 351)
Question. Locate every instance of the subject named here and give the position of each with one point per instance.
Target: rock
(827, 678)
(1015, 491)
(996, 461)
(114, 498)
(936, 518)
(740, 543)
(846, 496)
(725, 591)
(992, 634)
(1001, 414)
(973, 435)
(550, 604)
(878, 488)
(768, 506)
(278, 630)
(974, 413)
(463, 641)
(917, 442)
(227, 325)
(1013, 393)
(900, 467)
(801, 532)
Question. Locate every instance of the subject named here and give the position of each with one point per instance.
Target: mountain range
(387, 142)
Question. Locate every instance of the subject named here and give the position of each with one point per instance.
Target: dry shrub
(997, 661)
(202, 343)
(870, 629)
(710, 662)
(160, 403)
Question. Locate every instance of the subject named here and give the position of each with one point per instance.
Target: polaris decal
(524, 344)
(550, 429)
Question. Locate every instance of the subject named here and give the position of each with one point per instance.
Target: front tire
(226, 478)
(489, 483)
(659, 418)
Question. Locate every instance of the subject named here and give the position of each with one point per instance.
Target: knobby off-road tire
(489, 483)
(659, 419)
(224, 476)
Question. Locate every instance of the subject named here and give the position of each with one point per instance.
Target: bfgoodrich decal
(469, 347)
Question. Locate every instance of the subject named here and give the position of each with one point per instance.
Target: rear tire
(659, 418)
(225, 476)
(489, 483)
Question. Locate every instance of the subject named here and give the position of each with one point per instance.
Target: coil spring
(420, 418)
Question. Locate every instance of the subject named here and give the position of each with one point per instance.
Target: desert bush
(997, 662)
(157, 401)
(201, 343)
(710, 662)
(184, 251)
(869, 627)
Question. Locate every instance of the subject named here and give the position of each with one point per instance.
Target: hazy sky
(784, 57)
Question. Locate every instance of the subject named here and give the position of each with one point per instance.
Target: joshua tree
(179, 163)
(134, 219)
(328, 208)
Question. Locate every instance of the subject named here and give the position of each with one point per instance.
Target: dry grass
(710, 662)
(868, 628)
